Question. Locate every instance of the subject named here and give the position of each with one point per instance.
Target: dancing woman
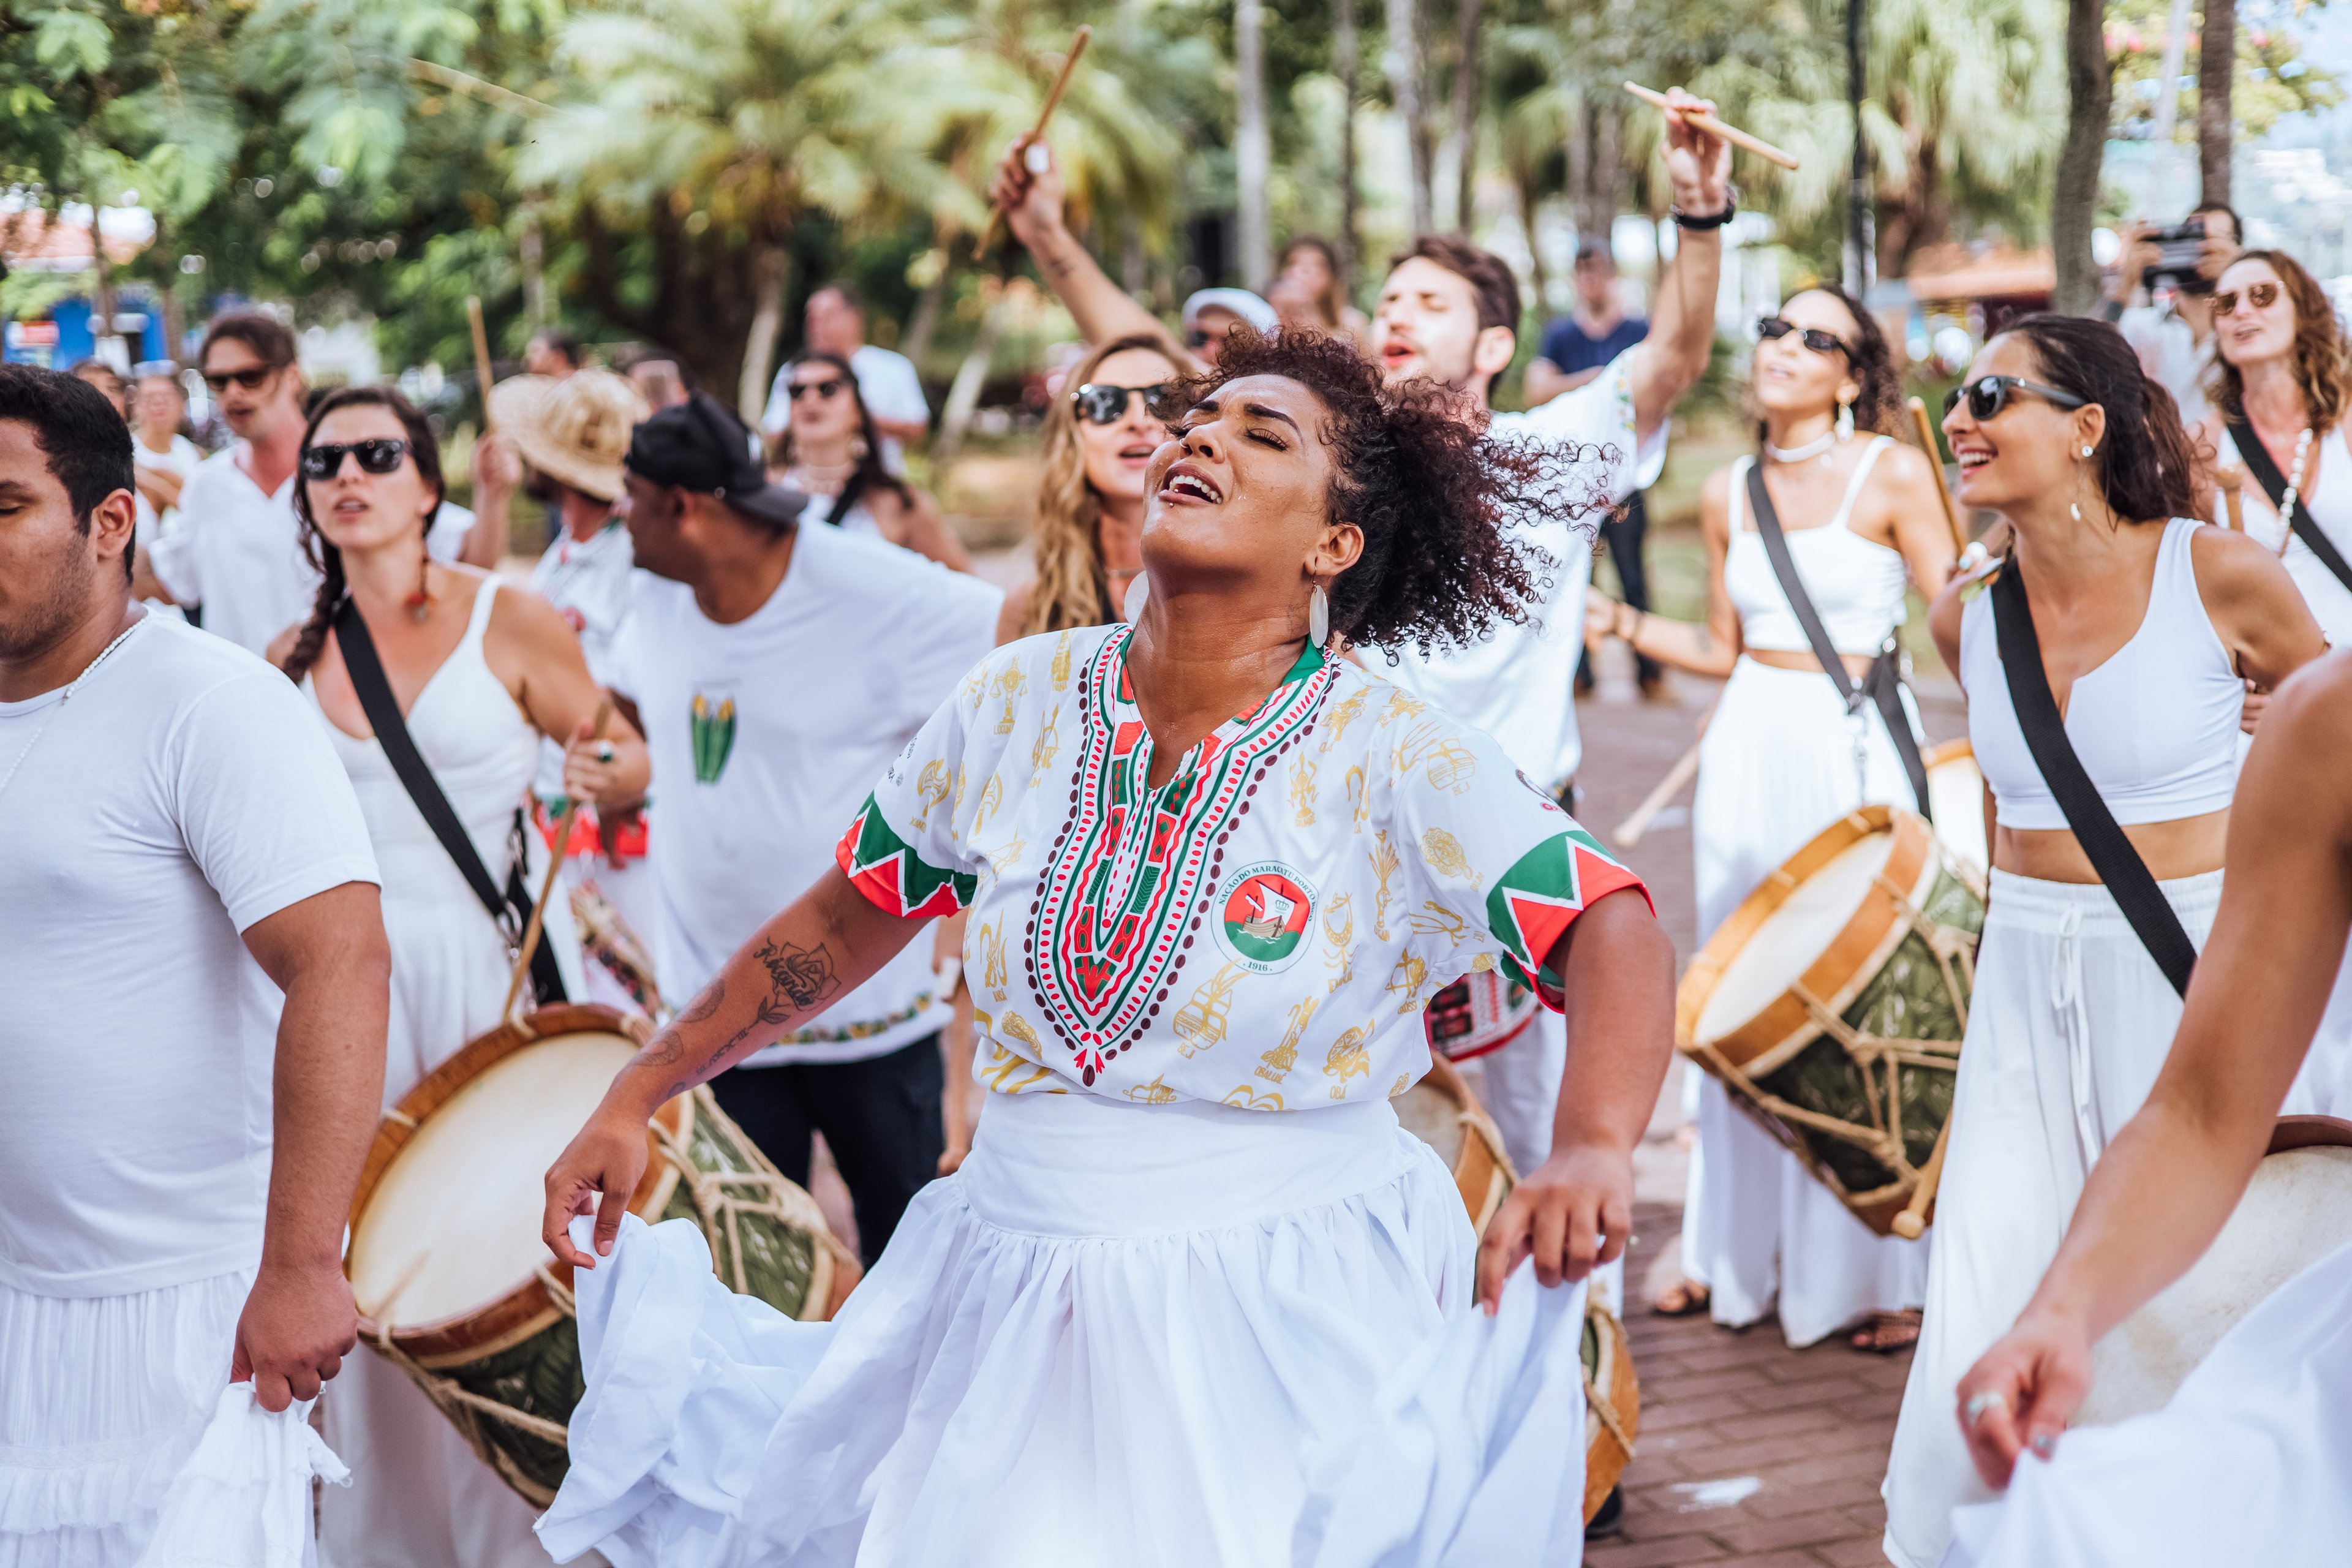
(1782, 760)
(1212, 876)
(2148, 624)
(480, 676)
(2247, 1462)
(833, 451)
(1087, 544)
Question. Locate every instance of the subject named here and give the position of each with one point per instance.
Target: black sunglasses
(823, 391)
(1100, 403)
(1989, 395)
(1821, 342)
(377, 457)
(251, 380)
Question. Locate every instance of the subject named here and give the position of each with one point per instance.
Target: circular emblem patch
(1264, 912)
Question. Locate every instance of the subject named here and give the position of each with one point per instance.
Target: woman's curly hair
(1441, 502)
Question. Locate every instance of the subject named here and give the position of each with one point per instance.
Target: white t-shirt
(887, 383)
(238, 552)
(2170, 352)
(766, 735)
(1517, 683)
(183, 459)
(588, 582)
(185, 793)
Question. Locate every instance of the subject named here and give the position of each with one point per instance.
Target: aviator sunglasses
(377, 457)
(2261, 296)
(1772, 329)
(823, 391)
(251, 380)
(1100, 403)
(1989, 395)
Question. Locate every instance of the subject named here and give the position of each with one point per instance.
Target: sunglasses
(823, 390)
(1100, 403)
(1772, 329)
(378, 457)
(2261, 296)
(251, 380)
(1989, 395)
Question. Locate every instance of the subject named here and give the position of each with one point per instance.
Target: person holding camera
(2175, 340)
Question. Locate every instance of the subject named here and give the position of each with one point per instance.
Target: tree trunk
(534, 272)
(1605, 193)
(1404, 69)
(1252, 149)
(1528, 198)
(768, 268)
(964, 396)
(101, 294)
(2216, 70)
(916, 343)
(1344, 61)
(1465, 115)
(1580, 164)
(1857, 190)
(2074, 195)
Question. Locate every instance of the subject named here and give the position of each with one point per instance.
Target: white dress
(1195, 1297)
(418, 1497)
(1777, 765)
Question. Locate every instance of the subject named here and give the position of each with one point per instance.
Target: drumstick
(1912, 1222)
(481, 354)
(554, 864)
(2232, 481)
(1713, 127)
(1630, 831)
(1053, 101)
(1943, 491)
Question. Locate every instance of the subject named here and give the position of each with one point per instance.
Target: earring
(1845, 422)
(1137, 592)
(2076, 508)
(420, 603)
(2086, 452)
(1319, 616)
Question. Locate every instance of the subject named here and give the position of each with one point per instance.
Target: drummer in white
(195, 974)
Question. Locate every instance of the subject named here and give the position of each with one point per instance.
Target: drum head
(453, 1222)
(1779, 951)
(1433, 1117)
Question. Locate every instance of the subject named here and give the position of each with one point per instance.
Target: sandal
(1887, 1333)
(1683, 1299)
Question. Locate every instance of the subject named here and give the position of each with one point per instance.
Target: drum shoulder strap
(1883, 686)
(2265, 470)
(2111, 854)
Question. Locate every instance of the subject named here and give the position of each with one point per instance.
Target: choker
(1799, 454)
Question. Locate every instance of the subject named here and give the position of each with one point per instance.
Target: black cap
(700, 444)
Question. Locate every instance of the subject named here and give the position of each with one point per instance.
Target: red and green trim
(1541, 895)
(895, 879)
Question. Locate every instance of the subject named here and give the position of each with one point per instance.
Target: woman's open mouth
(1186, 483)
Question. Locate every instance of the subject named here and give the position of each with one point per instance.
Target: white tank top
(2329, 505)
(1855, 584)
(2156, 725)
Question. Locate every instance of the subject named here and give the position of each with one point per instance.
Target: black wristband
(1712, 220)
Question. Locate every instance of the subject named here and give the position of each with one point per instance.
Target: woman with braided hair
(1195, 1295)
(479, 672)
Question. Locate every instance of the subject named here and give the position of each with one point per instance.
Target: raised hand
(1697, 162)
(1027, 185)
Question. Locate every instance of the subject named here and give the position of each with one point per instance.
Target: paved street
(1750, 1453)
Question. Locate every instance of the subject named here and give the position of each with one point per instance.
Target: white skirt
(2251, 1462)
(1176, 1335)
(2069, 1024)
(1776, 767)
(101, 1400)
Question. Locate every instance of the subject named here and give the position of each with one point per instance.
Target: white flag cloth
(243, 1500)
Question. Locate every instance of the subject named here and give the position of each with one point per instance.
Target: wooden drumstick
(1630, 832)
(1927, 432)
(1713, 127)
(1053, 101)
(1912, 1222)
(481, 353)
(554, 864)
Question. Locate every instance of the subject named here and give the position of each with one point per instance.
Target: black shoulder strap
(1884, 686)
(508, 906)
(845, 498)
(2118, 865)
(2265, 470)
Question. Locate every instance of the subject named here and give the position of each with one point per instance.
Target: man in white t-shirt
(893, 393)
(192, 1040)
(234, 556)
(776, 670)
(1449, 312)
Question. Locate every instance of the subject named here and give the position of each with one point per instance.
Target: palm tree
(2216, 71)
(1252, 148)
(1404, 71)
(2074, 195)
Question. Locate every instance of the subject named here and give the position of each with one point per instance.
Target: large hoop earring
(1319, 616)
(1138, 594)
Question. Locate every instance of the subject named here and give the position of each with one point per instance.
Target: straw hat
(574, 430)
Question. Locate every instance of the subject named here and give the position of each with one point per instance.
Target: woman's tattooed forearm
(800, 981)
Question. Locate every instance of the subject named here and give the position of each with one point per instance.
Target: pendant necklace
(71, 687)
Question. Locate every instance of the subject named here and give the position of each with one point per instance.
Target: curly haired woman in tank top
(2149, 623)
(1780, 761)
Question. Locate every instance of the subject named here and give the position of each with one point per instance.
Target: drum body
(1832, 1001)
(2297, 1208)
(1483, 1011)
(453, 1282)
(1956, 789)
(1443, 1113)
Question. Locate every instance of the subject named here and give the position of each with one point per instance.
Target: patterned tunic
(1264, 928)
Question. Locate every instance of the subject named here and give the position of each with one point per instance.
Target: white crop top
(2156, 725)
(1855, 584)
